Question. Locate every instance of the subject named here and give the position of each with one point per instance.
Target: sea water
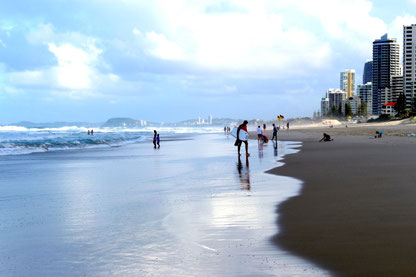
(190, 208)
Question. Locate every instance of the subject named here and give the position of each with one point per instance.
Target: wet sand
(356, 214)
(186, 209)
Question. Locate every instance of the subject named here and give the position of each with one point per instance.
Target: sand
(356, 214)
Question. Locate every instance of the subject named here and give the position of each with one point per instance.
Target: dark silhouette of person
(274, 132)
(158, 141)
(326, 137)
(238, 142)
(154, 138)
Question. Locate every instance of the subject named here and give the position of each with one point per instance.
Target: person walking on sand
(238, 142)
(287, 125)
(158, 141)
(154, 138)
(264, 126)
(259, 133)
(274, 132)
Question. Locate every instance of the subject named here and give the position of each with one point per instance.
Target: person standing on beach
(158, 141)
(238, 142)
(259, 133)
(264, 126)
(287, 125)
(154, 138)
(274, 132)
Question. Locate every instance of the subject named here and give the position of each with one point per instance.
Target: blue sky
(178, 59)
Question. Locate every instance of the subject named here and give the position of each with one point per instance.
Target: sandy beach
(356, 214)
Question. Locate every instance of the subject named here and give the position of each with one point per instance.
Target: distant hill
(122, 122)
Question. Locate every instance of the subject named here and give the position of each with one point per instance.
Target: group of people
(156, 139)
(91, 132)
(227, 129)
(260, 135)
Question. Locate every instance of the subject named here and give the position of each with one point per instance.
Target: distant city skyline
(174, 60)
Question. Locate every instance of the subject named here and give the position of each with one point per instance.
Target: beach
(356, 212)
(189, 208)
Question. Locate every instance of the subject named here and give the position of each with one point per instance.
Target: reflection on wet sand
(275, 149)
(244, 174)
(261, 154)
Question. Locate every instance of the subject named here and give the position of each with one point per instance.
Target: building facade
(386, 63)
(354, 102)
(409, 63)
(365, 92)
(347, 82)
(368, 72)
(335, 98)
(324, 106)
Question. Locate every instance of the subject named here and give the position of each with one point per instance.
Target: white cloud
(161, 47)
(76, 73)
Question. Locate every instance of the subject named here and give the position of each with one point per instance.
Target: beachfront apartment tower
(365, 92)
(386, 63)
(335, 97)
(347, 82)
(324, 106)
(409, 63)
(368, 72)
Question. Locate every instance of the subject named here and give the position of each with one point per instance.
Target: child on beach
(274, 132)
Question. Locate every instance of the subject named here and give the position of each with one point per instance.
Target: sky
(171, 60)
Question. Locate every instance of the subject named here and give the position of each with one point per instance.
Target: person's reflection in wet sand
(275, 148)
(244, 174)
(260, 150)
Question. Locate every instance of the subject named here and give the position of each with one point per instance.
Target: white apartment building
(347, 82)
(365, 92)
(409, 63)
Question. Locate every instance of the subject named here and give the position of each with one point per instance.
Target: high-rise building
(386, 63)
(324, 106)
(365, 93)
(335, 97)
(347, 82)
(368, 72)
(354, 102)
(210, 119)
(409, 63)
(396, 87)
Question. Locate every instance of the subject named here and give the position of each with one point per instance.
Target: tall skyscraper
(409, 63)
(368, 72)
(347, 82)
(386, 63)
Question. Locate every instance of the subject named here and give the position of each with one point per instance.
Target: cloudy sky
(169, 60)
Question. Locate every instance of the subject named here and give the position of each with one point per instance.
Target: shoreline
(355, 213)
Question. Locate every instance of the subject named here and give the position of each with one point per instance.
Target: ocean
(16, 140)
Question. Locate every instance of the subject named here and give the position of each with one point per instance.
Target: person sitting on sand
(379, 134)
(238, 142)
(326, 137)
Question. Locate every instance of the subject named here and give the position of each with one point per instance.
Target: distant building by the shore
(365, 93)
(368, 72)
(409, 63)
(386, 63)
(347, 82)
